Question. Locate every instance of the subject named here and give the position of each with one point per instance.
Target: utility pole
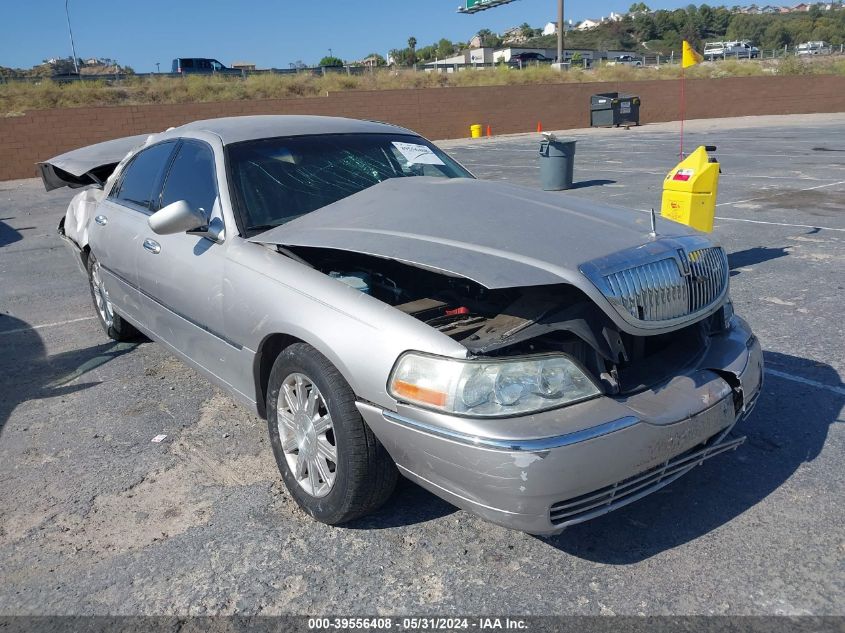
(72, 47)
(560, 31)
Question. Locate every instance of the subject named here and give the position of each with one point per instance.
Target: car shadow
(752, 256)
(8, 235)
(787, 429)
(30, 374)
(599, 182)
(409, 505)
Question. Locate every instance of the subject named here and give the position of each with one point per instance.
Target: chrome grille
(672, 287)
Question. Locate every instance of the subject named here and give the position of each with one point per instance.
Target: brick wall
(437, 113)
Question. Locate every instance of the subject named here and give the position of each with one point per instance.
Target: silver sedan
(536, 359)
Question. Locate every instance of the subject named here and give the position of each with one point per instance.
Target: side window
(140, 182)
(187, 63)
(191, 178)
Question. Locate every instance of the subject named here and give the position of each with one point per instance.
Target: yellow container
(689, 191)
(475, 131)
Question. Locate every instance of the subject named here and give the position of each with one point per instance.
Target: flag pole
(683, 107)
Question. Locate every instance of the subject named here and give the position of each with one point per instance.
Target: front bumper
(72, 247)
(591, 457)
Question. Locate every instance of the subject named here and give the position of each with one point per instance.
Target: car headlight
(489, 387)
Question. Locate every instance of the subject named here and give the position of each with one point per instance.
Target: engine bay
(519, 321)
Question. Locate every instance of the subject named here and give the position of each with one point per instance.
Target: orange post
(539, 127)
(489, 131)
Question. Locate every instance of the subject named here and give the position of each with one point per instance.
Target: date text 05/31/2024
(417, 624)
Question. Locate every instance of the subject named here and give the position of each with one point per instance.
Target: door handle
(152, 246)
(101, 220)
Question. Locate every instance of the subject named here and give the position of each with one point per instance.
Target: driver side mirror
(177, 217)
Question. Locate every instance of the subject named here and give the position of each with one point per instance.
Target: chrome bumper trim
(515, 445)
(586, 507)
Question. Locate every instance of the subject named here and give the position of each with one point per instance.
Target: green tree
(721, 19)
(690, 33)
(707, 19)
(775, 36)
(445, 48)
(412, 47)
(748, 27)
(399, 56)
(426, 53)
(331, 61)
(645, 27)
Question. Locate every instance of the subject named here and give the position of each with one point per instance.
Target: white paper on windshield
(417, 154)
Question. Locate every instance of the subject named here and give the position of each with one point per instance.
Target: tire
(336, 471)
(115, 327)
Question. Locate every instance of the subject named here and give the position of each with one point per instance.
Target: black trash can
(557, 161)
(613, 108)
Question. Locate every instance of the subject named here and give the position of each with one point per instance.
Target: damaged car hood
(496, 234)
(89, 165)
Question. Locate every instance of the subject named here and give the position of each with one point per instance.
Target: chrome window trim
(515, 445)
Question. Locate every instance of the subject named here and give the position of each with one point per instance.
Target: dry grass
(15, 98)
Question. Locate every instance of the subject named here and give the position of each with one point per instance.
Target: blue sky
(270, 33)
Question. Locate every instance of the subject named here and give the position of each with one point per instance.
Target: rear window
(280, 179)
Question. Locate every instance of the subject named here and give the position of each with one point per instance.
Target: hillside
(662, 31)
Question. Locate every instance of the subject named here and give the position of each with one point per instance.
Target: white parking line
(806, 381)
(798, 226)
(46, 325)
(782, 193)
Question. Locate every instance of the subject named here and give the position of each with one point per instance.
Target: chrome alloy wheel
(307, 435)
(101, 296)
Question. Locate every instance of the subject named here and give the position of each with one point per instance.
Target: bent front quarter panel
(267, 293)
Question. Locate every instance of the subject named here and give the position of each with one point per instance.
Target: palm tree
(412, 44)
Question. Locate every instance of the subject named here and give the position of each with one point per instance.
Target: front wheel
(115, 327)
(332, 464)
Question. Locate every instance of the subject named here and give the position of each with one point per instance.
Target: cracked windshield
(278, 180)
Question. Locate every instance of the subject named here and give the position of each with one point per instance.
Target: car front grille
(609, 498)
(670, 288)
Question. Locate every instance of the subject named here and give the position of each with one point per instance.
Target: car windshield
(280, 179)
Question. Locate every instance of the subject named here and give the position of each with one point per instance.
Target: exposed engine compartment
(519, 321)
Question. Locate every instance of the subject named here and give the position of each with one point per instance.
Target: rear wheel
(332, 464)
(115, 327)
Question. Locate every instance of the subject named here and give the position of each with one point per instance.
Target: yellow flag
(690, 57)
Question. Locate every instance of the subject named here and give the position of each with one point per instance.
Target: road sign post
(474, 6)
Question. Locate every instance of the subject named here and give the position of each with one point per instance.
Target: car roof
(247, 128)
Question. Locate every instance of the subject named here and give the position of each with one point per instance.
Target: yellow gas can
(689, 191)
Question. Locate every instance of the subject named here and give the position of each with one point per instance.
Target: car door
(180, 277)
(116, 232)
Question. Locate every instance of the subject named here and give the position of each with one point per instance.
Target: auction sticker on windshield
(417, 154)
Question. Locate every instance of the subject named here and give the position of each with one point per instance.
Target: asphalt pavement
(96, 518)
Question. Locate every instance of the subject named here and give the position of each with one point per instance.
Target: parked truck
(736, 48)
